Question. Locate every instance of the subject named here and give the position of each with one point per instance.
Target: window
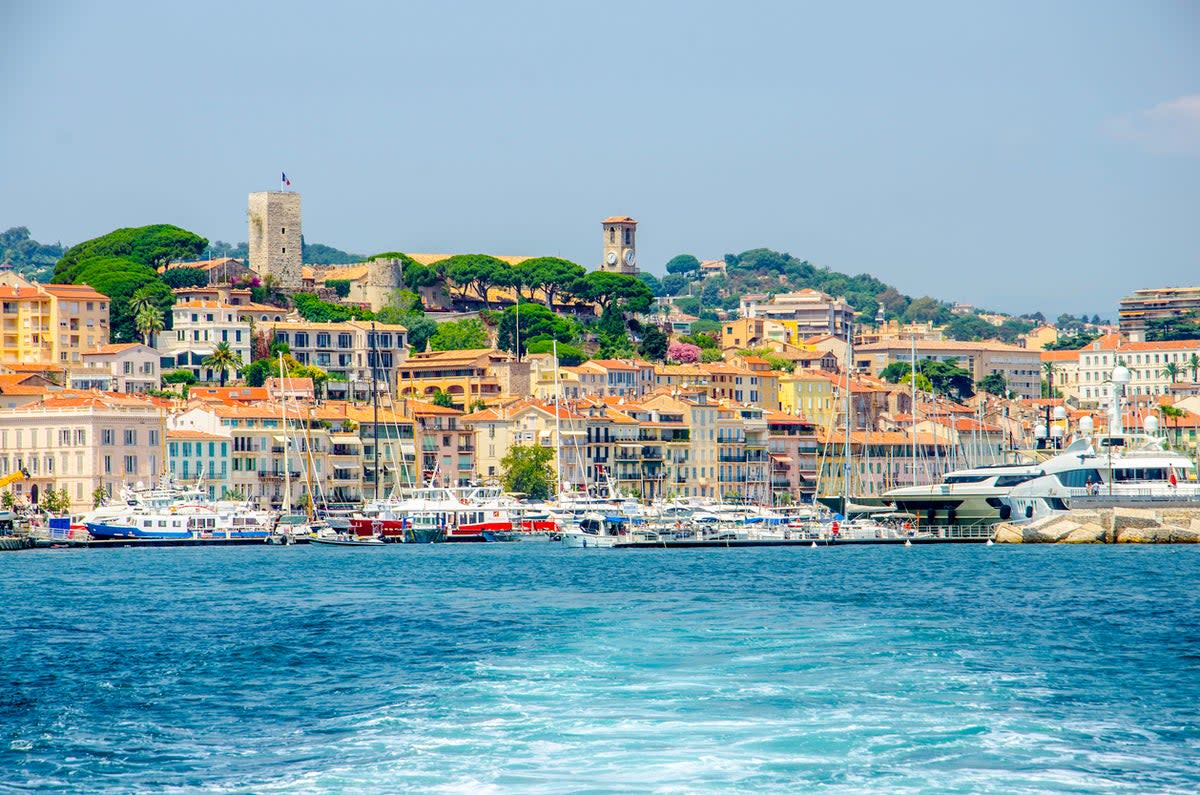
(64, 438)
(130, 437)
(107, 437)
(80, 437)
(130, 464)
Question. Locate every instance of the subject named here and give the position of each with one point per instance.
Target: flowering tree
(683, 353)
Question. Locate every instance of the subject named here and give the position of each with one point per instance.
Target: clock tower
(620, 245)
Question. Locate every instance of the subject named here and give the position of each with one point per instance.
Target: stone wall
(1173, 525)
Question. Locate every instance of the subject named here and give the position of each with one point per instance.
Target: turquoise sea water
(530, 668)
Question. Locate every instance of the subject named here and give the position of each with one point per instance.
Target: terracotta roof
(233, 393)
(612, 364)
(79, 292)
(120, 347)
(619, 219)
(420, 408)
(1060, 356)
(187, 433)
(289, 383)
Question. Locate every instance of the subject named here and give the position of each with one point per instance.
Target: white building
(1148, 364)
(81, 444)
(129, 367)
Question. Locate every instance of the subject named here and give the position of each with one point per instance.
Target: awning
(783, 459)
(408, 448)
(280, 439)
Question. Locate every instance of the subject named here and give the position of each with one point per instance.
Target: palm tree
(141, 300)
(149, 321)
(1172, 371)
(1048, 368)
(1173, 413)
(223, 359)
(1193, 364)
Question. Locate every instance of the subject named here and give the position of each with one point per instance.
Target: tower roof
(619, 219)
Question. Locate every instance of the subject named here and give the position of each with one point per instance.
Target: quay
(12, 543)
(58, 543)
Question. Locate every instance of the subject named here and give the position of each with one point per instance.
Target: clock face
(629, 257)
(612, 258)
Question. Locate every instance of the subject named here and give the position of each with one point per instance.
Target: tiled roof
(619, 219)
(120, 347)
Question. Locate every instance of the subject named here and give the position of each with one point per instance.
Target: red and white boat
(446, 514)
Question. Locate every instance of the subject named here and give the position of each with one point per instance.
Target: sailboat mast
(375, 408)
(557, 425)
(286, 504)
(846, 452)
(912, 379)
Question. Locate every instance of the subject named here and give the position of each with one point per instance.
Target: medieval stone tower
(620, 245)
(274, 237)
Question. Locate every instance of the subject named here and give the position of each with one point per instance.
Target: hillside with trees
(124, 266)
(28, 257)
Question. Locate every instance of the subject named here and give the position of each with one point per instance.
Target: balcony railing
(271, 474)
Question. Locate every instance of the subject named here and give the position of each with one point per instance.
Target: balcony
(344, 475)
(344, 450)
(731, 458)
(271, 474)
(652, 454)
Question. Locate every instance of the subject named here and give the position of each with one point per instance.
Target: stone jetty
(1107, 526)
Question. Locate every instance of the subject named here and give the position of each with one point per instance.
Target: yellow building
(50, 324)
(809, 394)
(468, 376)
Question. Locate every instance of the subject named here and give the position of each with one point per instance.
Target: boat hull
(102, 531)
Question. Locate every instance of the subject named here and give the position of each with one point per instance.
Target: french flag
(287, 183)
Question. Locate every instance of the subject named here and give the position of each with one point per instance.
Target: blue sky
(1022, 156)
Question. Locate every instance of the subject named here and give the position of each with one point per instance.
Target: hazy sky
(1028, 156)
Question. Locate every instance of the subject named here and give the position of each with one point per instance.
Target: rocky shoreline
(1107, 526)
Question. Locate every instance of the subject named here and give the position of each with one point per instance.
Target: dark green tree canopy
(154, 246)
(626, 292)
(994, 384)
(185, 277)
(654, 343)
(683, 263)
(478, 272)
(537, 324)
(457, 335)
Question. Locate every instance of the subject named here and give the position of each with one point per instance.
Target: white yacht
(1126, 469)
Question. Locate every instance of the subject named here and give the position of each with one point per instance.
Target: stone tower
(620, 245)
(274, 237)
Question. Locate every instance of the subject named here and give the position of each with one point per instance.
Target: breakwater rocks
(1108, 526)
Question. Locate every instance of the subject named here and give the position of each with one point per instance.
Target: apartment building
(530, 422)
(1150, 365)
(350, 352)
(49, 324)
(198, 327)
(199, 458)
(811, 311)
(1160, 303)
(1021, 368)
(792, 447)
(468, 376)
(128, 367)
(879, 460)
(82, 443)
(445, 444)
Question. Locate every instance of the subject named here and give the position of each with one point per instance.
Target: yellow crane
(13, 477)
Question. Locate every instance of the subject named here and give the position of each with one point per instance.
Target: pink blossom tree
(683, 353)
